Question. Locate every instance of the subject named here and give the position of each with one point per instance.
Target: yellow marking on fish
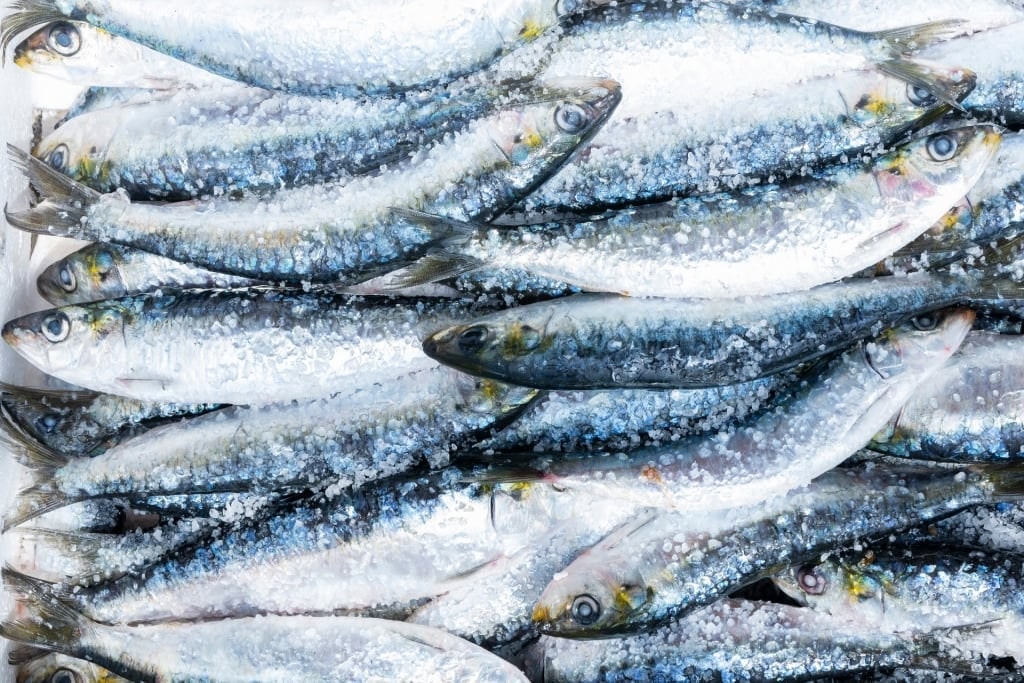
(541, 614)
(531, 29)
(23, 60)
(90, 169)
(878, 106)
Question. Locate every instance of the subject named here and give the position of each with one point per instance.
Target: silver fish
(336, 443)
(50, 667)
(343, 232)
(760, 241)
(245, 347)
(358, 47)
(664, 565)
(328, 648)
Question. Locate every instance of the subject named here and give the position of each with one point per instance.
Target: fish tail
(439, 263)
(32, 502)
(65, 201)
(50, 623)
(84, 547)
(1007, 482)
(905, 39)
(26, 15)
(23, 654)
(948, 86)
(995, 286)
(24, 447)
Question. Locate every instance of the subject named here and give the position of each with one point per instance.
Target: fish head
(493, 346)
(947, 162)
(836, 584)
(878, 100)
(537, 135)
(50, 49)
(590, 602)
(78, 148)
(90, 274)
(62, 339)
(58, 668)
(924, 341)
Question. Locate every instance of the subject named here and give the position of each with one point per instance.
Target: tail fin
(906, 39)
(66, 202)
(32, 502)
(27, 15)
(439, 263)
(50, 624)
(935, 79)
(1007, 481)
(78, 551)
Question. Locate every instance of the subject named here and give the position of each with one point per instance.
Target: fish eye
(571, 118)
(472, 340)
(563, 7)
(925, 322)
(919, 96)
(58, 158)
(585, 609)
(64, 39)
(47, 424)
(66, 278)
(811, 582)
(65, 676)
(941, 147)
(56, 327)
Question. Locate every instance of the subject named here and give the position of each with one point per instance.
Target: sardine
(108, 271)
(50, 667)
(665, 565)
(235, 139)
(355, 47)
(344, 232)
(816, 427)
(602, 341)
(747, 641)
(334, 443)
(760, 241)
(245, 347)
(267, 648)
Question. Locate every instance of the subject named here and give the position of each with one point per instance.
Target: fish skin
(662, 566)
(760, 241)
(144, 346)
(107, 271)
(356, 48)
(600, 341)
(335, 443)
(969, 411)
(917, 586)
(811, 429)
(727, 641)
(345, 232)
(46, 667)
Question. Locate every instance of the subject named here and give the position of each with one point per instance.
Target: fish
(969, 411)
(760, 241)
(238, 140)
(77, 422)
(335, 443)
(78, 53)
(341, 233)
(384, 550)
(756, 95)
(818, 425)
(892, 589)
(358, 49)
(664, 565)
(331, 648)
(604, 341)
(108, 271)
(258, 345)
(748, 641)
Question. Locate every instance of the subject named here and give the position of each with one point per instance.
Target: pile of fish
(670, 340)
